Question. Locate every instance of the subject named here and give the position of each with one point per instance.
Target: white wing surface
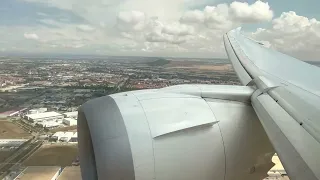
(286, 100)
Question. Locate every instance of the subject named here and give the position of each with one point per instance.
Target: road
(21, 154)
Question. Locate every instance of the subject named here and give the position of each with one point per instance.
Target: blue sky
(18, 12)
(158, 27)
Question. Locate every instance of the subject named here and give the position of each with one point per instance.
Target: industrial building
(70, 121)
(50, 124)
(65, 136)
(36, 111)
(12, 142)
(74, 138)
(39, 173)
(56, 136)
(73, 114)
(46, 116)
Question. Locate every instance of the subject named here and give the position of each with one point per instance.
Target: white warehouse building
(44, 117)
(36, 111)
(70, 121)
(65, 136)
(73, 114)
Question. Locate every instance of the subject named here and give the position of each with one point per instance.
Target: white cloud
(127, 35)
(218, 17)
(293, 34)
(195, 16)
(31, 36)
(257, 12)
(177, 29)
(131, 20)
(85, 27)
(170, 27)
(171, 39)
(224, 16)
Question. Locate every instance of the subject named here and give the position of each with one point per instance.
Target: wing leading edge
(286, 101)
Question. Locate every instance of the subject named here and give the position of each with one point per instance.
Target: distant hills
(159, 62)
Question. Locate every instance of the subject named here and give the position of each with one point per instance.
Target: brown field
(53, 155)
(4, 155)
(226, 67)
(8, 130)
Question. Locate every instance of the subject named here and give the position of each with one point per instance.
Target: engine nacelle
(183, 132)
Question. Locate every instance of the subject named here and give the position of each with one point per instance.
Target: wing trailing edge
(286, 101)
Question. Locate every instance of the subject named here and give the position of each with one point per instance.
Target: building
(50, 124)
(277, 172)
(73, 114)
(12, 142)
(56, 136)
(44, 117)
(39, 173)
(65, 136)
(36, 111)
(74, 138)
(70, 172)
(70, 121)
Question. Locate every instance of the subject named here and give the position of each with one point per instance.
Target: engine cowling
(177, 133)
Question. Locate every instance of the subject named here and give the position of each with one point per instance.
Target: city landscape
(39, 98)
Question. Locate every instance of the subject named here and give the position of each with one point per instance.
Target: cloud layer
(159, 28)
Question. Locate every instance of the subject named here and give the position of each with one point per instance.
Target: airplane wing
(286, 101)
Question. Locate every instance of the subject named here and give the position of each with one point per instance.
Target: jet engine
(183, 132)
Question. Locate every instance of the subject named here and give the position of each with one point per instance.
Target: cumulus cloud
(224, 16)
(195, 16)
(293, 34)
(131, 20)
(136, 25)
(256, 12)
(178, 29)
(171, 39)
(173, 33)
(31, 36)
(161, 27)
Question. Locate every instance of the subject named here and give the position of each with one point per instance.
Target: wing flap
(303, 112)
(298, 151)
